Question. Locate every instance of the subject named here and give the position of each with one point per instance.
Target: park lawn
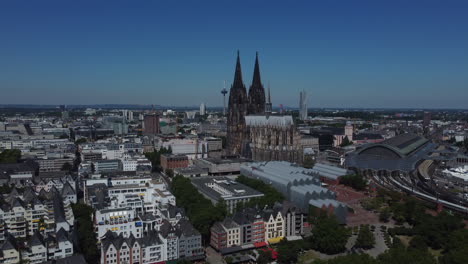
(405, 239)
(435, 253)
(307, 257)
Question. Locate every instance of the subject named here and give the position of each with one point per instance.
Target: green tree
(328, 236)
(384, 215)
(308, 162)
(155, 157)
(201, 212)
(271, 195)
(183, 261)
(10, 156)
(349, 259)
(354, 181)
(365, 239)
(456, 248)
(264, 257)
(288, 251)
(80, 141)
(85, 230)
(400, 254)
(169, 173)
(455, 256)
(346, 142)
(67, 167)
(5, 188)
(418, 242)
(437, 230)
(228, 259)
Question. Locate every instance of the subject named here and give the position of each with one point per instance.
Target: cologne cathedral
(252, 131)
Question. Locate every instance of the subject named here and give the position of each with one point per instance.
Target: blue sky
(344, 53)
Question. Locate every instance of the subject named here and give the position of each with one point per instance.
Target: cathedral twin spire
(242, 104)
(255, 100)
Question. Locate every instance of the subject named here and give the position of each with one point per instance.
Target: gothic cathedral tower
(256, 92)
(237, 110)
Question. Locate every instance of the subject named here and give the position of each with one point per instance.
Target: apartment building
(252, 226)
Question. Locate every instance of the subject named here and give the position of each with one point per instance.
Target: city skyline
(348, 55)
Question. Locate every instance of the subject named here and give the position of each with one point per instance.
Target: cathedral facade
(274, 138)
(252, 131)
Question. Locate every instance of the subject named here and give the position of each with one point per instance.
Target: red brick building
(151, 124)
(169, 161)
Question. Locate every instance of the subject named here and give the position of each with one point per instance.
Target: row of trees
(366, 238)
(271, 195)
(155, 157)
(354, 181)
(201, 212)
(86, 236)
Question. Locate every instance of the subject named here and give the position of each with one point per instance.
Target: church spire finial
(268, 105)
(238, 74)
(256, 77)
(269, 97)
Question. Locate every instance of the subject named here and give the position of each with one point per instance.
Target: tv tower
(224, 92)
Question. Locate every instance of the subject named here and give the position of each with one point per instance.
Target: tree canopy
(346, 142)
(365, 239)
(67, 167)
(85, 230)
(155, 157)
(349, 259)
(328, 236)
(80, 141)
(308, 162)
(354, 181)
(201, 212)
(288, 251)
(10, 156)
(271, 195)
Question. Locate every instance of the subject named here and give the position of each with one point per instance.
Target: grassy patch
(307, 257)
(405, 239)
(435, 253)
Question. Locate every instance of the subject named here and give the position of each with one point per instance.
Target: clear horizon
(359, 54)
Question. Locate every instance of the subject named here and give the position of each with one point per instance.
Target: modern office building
(107, 165)
(202, 109)
(51, 165)
(222, 188)
(221, 166)
(303, 111)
